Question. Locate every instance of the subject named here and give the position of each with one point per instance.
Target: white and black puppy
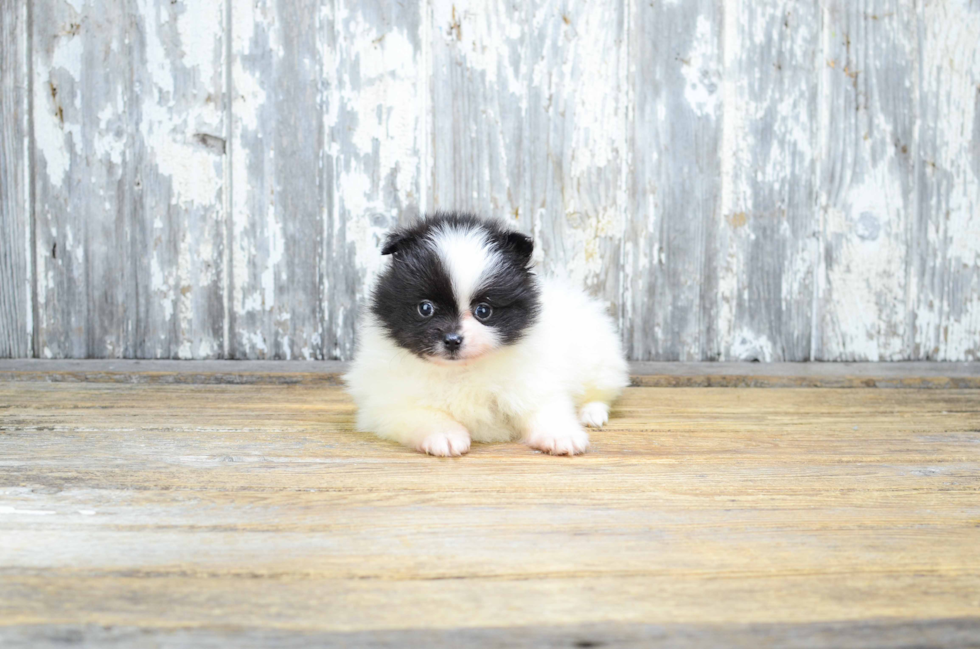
(463, 342)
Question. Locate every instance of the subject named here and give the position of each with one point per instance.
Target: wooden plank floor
(139, 514)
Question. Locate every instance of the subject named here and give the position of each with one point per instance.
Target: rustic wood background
(740, 180)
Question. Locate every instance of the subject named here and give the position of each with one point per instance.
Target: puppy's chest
(474, 404)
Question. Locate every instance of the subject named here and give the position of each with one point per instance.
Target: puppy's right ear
(396, 240)
(520, 244)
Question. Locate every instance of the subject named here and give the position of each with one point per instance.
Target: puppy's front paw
(594, 414)
(446, 443)
(568, 441)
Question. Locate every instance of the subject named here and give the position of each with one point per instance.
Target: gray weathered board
(738, 180)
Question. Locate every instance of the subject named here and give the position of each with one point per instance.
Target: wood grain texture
(378, 88)
(576, 145)
(957, 633)
(761, 248)
(945, 276)
(200, 507)
(278, 192)
(16, 276)
(868, 89)
(66, 258)
(675, 191)
(922, 374)
(738, 181)
(477, 115)
(128, 121)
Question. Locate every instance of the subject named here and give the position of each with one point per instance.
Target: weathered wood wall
(16, 315)
(778, 180)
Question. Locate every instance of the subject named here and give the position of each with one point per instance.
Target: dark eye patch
(414, 277)
(513, 295)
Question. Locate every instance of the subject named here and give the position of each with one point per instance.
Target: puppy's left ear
(521, 245)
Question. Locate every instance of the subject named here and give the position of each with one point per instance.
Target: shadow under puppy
(463, 342)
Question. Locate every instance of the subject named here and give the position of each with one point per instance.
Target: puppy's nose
(452, 342)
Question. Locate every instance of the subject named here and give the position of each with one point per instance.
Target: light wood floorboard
(178, 515)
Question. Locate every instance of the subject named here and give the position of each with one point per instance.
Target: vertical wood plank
(676, 75)
(945, 315)
(576, 141)
(278, 210)
(761, 249)
(867, 146)
(179, 217)
(16, 307)
(479, 109)
(84, 200)
(375, 123)
(129, 160)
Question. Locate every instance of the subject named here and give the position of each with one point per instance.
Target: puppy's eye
(426, 309)
(482, 311)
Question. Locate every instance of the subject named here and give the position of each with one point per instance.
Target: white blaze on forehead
(468, 257)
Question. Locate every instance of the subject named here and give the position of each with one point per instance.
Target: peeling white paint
(748, 345)
(366, 237)
(593, 63)
(762, 234)
(383, 137)
(254, 340)
(199, 40)
(700, 69)
(157, 62)
(184, 283)
(483, 34)
(206, 349)
(68, 56)
(276, 243)
(474, 155)
(866, 279)
(195, 175)
(576, 97)
(249, 96)
(947, 323)
(866, 189)
(55, 134)
(567, 178)
(162, 287)
(109, 140)
(194, 171)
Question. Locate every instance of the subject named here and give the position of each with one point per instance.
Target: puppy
(463, 342)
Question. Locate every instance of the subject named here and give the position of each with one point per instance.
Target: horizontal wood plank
(949, 633)
(198, 512)
(645, 374)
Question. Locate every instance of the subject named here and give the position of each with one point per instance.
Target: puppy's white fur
(564, 372)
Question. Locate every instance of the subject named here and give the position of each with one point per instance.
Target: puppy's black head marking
(415, 275)
(418, 272)
(517, 244)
